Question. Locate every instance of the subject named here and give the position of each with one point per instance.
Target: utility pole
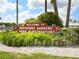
(45, 5)
(17, 13)
(68, 13)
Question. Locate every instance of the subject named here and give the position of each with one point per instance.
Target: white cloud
(26, 15)
(8, 18)
(12, 18)
(35, 4)
(62, 6)
(6, 5)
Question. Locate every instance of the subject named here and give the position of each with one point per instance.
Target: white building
(74, 25)
(2, 28)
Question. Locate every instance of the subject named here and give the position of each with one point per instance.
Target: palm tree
(54, 2)
(17, 12)
(45, 5)
(68, 13)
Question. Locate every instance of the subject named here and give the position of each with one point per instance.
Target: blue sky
(33, 8)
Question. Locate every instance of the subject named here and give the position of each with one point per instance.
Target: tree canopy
(50, 18)
(7, 24)
(31, 20)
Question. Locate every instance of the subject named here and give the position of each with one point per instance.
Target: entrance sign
(35, 24)
(37, 27)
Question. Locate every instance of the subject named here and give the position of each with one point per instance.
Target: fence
(51, 43)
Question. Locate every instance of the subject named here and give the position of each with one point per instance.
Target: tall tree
(45, 5)
(0, 18)
(54, 2)
(17, 12)
(68, 13)
(50, 19)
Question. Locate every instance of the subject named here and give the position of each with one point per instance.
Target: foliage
(50, 18)
(76, 30)
(1, 35)
(23, 39)
(8, 24)
(31, 20)
(66, 34)
(37, 38)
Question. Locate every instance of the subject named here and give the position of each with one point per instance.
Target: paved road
(57, 51)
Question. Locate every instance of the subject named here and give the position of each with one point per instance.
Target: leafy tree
(8, 24)
(75, 21)
(71, 20)
(31, 20)
(50, 18)
(78, 21)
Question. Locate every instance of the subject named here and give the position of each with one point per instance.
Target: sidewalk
(57, 51)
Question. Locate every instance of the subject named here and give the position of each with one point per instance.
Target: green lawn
(5, 55)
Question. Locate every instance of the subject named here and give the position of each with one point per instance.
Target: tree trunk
(68, 13)
(54, 2)
(45, 5)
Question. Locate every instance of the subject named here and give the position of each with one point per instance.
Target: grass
(5, 55)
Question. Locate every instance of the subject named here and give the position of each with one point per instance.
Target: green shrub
(8, 37)
(1, 36)
(76, 30)
(24, 39)
(37, 39)
(66, 34)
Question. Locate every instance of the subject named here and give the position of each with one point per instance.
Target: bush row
(38, 39)
(24, 39)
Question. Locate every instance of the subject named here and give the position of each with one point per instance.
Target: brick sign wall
(37, 27)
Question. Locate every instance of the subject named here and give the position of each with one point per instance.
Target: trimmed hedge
(24, 39)
(62, 38)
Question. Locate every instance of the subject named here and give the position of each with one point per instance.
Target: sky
(33, 8)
